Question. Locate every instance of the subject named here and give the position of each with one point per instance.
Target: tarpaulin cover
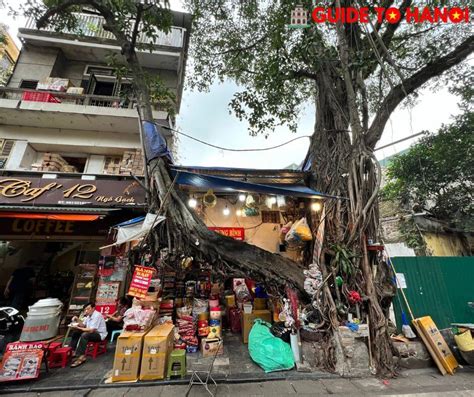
(155, 142)
(137, 230)
(223, 184)
(131, 221)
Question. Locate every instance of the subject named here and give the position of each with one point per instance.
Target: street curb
(219, 380)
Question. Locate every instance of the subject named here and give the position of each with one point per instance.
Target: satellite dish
(209, 199)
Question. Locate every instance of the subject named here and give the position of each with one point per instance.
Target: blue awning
(206, 182)
(130, 222)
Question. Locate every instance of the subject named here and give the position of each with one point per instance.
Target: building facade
(70, 148)
(8, 55)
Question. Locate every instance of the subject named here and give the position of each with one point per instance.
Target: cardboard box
(260, 304)
(157, 347)
(75, 90)
(209, 347)
(248, 318)
(128, 356)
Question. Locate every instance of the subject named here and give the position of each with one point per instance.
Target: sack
(268, 351)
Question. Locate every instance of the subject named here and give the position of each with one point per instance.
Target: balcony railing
(75, 99)
(92, 26)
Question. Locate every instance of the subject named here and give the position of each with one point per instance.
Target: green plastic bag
(268, 351)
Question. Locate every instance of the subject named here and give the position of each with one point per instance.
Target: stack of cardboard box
(143, 355)
(132, 162)
(53, 162)
(112, 165)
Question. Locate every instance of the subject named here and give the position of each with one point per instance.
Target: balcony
(90, 42)
(71, 112)
(91, 26)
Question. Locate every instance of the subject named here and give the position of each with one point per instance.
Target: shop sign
(71, 192)
(21, 361)
(141, 281)
(237, 233)
(105, 309)
(40, 228)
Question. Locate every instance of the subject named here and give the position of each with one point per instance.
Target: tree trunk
(190, 236)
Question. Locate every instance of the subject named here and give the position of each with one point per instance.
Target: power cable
(230, 149)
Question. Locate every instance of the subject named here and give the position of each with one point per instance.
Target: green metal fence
(440, 287)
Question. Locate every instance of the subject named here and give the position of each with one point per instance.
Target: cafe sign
(71, 192)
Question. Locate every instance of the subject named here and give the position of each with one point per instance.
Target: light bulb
(316, 206)
(226, 211)
(192, 202)
(242, 197)
(238, 212)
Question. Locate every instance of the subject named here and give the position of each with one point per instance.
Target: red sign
(237, 233)
(141, 281)
(106, 309)
(21, 361)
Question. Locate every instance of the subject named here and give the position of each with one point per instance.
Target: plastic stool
(177, 364)
(114, 333)
(95, 349)
(60, 357)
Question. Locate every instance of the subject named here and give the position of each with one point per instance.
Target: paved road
(420, 383)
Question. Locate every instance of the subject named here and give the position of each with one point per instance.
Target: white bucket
(247, 308)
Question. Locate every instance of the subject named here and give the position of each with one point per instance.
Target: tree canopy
(437, 174)
(280, 68)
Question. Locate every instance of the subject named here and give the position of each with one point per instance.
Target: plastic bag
(268, 351)
(300, 231)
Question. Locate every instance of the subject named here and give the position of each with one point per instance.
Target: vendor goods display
(138, 319)
(187, 331)
(210, 346)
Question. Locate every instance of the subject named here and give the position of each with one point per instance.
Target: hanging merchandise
(313, 280)
(209, 199)
(300, 231)
(354, 297)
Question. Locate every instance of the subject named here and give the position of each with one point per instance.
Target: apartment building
(70, 149)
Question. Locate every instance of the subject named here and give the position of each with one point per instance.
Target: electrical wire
(231, 149)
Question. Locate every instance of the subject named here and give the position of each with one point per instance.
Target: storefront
(55, 224)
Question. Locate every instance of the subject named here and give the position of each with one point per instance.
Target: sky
(206, 116)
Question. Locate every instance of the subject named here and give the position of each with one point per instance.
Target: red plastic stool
(53, 346)
(95, 349)
(60, 357)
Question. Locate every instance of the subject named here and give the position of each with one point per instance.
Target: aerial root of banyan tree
(189, 235)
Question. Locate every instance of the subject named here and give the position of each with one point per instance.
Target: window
(6, 146)
(271, 217)
(75, 164)
(29, 84)
(99, 71)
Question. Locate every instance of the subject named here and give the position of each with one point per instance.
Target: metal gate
(440, 287)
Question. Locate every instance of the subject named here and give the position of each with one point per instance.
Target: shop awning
(206, 182)
(55, 217)
(136, 230)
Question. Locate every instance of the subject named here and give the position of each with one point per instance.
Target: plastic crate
(38, 96)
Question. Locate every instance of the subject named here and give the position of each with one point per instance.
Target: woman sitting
(115, 320)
